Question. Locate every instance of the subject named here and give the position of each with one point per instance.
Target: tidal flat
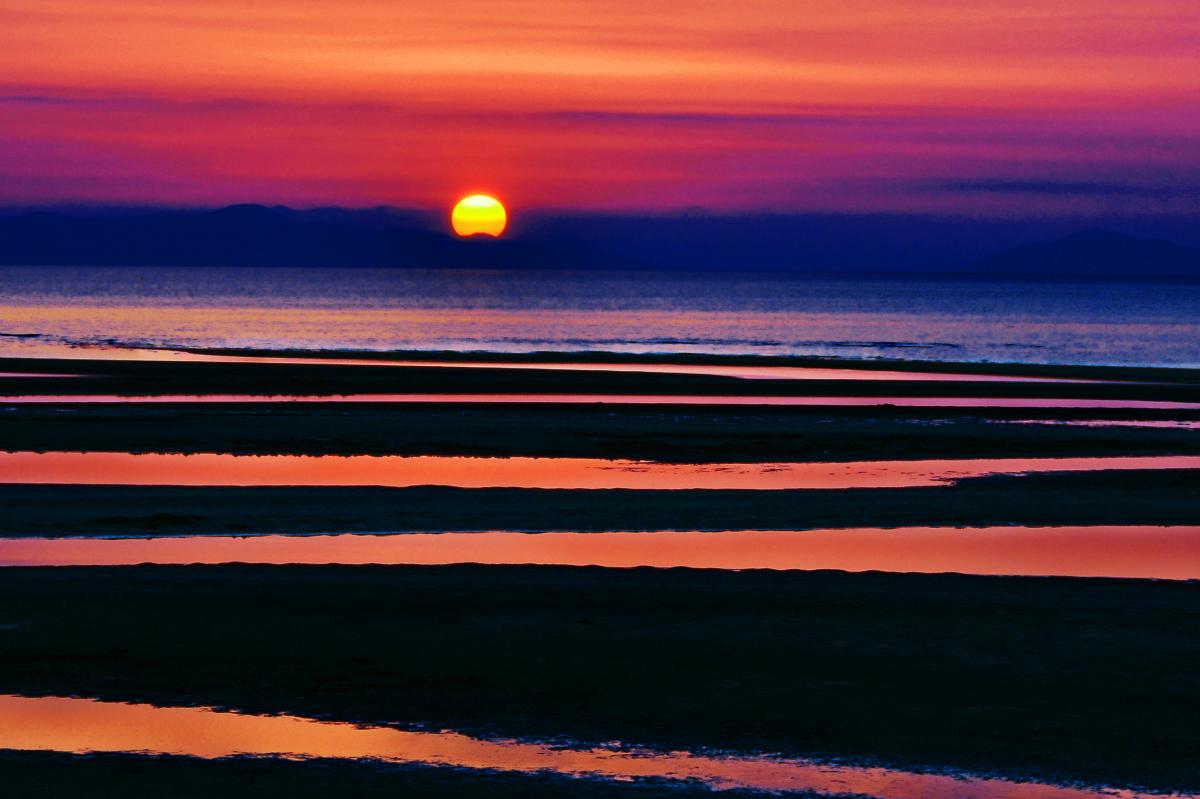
(50, 775)
(147, 372)
(1057, 680)
(1051, 679)
(661, 433)
(1129, 497)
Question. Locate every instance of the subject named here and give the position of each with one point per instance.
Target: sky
(1009, 107)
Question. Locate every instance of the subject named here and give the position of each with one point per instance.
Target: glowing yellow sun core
(478, 213)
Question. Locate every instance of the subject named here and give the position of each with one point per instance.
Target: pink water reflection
(75, 725)
(744, 371)
(1170, 553)
(613, 399)
(123, 468)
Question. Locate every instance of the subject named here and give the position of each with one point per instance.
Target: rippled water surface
(510, 311)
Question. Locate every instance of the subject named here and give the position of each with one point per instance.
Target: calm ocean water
(971, 319)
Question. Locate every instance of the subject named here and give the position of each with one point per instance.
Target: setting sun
(478, 213)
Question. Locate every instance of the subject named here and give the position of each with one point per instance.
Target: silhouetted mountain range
(1098, 252)
(249, 235)
(255, 235)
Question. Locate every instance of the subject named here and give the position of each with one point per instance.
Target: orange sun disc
(478, 214)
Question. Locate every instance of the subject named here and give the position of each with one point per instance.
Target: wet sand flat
(735, 640)
(83, 725)
(1099, 498)
(50, 775)
(34, 374)
(744, 368)
(669, 434)
(822, 401)
(809, 664)
(263, 374)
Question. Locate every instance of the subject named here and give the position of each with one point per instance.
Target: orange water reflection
(615, 399)
(86, 725)
(1171, 553)
(396, 471)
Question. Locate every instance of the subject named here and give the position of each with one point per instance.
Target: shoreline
(151, 378)
(670, 434)
(1011, 368)
(165, 354)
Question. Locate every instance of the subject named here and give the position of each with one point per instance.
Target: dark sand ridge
(673, 434)
(150, 378)
(28, 375)
(1099, 498)
(1051, 679)
(823, 401)
(616, 361)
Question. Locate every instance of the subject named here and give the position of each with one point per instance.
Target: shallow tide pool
(1171, 553)
(396, 471)
(77, 725)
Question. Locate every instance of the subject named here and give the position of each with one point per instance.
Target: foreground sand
(1054, 678)
(1135, 497)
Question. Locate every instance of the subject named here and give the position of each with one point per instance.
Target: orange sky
(847, 104)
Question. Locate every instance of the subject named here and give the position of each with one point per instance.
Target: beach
(792, 623)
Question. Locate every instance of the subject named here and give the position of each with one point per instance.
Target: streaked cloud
(1068, 188)
(765, 104)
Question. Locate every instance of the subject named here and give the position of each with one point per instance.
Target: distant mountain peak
(248, 209)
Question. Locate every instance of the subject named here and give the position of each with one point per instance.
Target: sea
(45, 310)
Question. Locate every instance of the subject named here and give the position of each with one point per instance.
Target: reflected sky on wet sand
(122, 468)
(610, 399)
(1097, 551)
(85, 725)
(744, 371)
